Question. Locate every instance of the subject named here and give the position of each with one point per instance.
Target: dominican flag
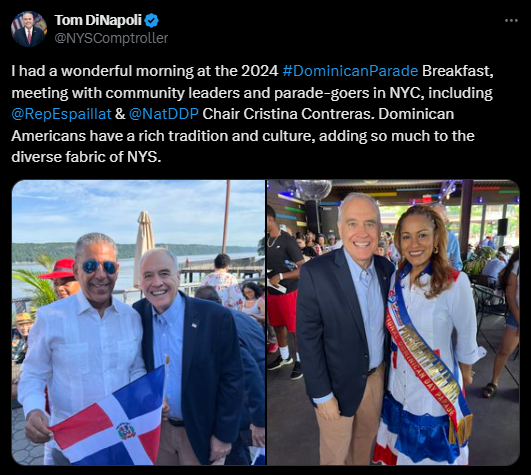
(122, 429)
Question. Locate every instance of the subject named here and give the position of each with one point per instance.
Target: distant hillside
(29, 252)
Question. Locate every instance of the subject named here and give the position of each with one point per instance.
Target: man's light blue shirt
(372, 310)
(453, 252)
(492, 269)
(168, 331)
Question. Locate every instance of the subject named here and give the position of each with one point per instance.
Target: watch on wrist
(281, 276)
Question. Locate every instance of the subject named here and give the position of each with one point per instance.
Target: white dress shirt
(80, 356)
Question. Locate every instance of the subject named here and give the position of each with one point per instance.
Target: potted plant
(42, 290)
(475, 265)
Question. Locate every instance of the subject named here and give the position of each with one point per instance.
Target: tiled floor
(292, 432)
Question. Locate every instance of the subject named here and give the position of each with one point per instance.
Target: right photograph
(393, 317)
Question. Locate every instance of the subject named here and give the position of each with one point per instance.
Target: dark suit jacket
(252, 341)
(212, 381)
(37, 37)
(330, 331)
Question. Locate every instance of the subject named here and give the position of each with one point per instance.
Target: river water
(125, 277)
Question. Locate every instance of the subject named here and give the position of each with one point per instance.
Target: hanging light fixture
(313, 189)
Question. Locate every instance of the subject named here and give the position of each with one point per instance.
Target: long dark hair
(254, 287)
(442, 271)
(503, 276)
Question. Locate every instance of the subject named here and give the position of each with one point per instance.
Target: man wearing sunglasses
(85, 347)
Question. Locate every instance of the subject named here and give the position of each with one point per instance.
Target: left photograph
(137, 327)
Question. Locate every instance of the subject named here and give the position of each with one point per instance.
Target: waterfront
(125, 277)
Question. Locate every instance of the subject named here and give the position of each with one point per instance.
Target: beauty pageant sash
(427, 366)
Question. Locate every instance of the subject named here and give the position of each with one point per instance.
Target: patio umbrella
(144, 242)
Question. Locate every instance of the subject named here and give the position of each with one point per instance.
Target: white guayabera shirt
(81, 357)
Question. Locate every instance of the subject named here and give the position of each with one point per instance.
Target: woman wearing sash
(425, 417)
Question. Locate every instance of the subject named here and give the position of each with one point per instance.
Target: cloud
(182, 212)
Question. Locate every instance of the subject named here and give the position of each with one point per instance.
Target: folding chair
(488, 302)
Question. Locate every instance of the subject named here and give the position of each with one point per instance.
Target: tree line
(30, 252)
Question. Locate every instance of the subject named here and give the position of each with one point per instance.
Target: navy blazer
(252, 344)
(36, 39)
(212, 380)
(330, 331)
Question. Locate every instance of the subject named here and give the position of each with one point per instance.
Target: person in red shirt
(284, 259)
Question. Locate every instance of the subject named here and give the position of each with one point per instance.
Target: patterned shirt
(19, 347)
(227, 287)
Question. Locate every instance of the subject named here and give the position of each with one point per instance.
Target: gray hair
(157, 250)
(93, 238)
(207, 292)
(442, 206)
(438, 204)
(363, 196)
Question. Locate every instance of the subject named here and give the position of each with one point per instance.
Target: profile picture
(29, 29)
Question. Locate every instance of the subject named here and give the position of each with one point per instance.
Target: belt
(176, 422)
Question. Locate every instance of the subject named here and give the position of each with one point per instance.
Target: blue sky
(182, 211)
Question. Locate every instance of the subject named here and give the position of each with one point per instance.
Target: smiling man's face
(98, 285)
(360, 230)
(28, 20)
(160, 280)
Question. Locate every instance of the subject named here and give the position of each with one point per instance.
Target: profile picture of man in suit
(29, 35)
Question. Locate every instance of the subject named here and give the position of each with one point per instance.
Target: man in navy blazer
(205, 381)
(342, 338)
(252, 414)
(36, 35)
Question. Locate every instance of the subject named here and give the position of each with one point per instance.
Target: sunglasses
(90, 266)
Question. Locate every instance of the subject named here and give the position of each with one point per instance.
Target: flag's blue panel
(114, 455)
(259, 458)
(144, 395)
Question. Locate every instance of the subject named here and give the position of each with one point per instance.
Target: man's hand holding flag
(122, 429)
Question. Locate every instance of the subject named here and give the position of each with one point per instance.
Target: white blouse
(435, 320)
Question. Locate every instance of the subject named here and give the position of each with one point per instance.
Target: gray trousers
(59, 458)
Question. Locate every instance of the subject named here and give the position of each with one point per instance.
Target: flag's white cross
(109, 437)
